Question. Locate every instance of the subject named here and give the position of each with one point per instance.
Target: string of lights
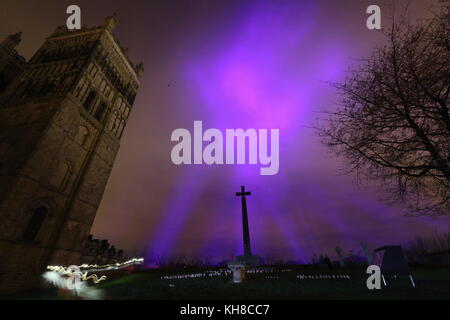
(94, 277)
(96, 267)
(222, 272)
(93, 268)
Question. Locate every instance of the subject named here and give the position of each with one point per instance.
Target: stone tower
(61, 121)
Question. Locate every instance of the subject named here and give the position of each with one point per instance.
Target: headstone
(367, 253)
(340, 257)
(238, 270)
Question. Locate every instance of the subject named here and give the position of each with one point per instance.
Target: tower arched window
(89, 100)
(35, 223)
(100, 111)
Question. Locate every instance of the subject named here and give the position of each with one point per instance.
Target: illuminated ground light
(222, 272)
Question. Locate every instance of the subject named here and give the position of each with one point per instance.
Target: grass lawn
(431, 283)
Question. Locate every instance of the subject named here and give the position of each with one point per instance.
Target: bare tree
(393, 121)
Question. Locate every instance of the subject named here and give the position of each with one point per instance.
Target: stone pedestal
(238, 269)
(250, 260)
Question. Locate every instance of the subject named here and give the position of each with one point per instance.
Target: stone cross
(245, 229)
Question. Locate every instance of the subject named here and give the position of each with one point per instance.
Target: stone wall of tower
(25, 171)
(61, 122)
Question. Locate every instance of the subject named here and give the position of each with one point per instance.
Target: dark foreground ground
(431, 283)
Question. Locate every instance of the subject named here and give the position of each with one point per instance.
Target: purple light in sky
(251, 84)
(271, 74)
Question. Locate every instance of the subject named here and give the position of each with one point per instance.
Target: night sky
(234, 64)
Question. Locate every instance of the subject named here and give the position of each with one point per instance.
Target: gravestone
(238, 270)
(340, 257)
(367, 253)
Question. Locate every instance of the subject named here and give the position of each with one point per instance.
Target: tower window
(100, 111)
(89, 100)
(34, 225)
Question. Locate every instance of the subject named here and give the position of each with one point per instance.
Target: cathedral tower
(61, 121)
